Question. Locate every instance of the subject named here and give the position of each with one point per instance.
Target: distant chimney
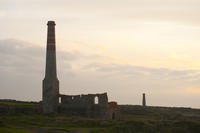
(143, 100)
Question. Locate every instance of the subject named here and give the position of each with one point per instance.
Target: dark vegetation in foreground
(133, 119)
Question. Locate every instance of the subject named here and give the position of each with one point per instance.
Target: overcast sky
(122, 47)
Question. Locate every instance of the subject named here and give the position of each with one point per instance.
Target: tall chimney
(50, 96)
(143, 100)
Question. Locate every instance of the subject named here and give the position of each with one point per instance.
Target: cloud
(22, 68)
(140, 78)
(2, 13)
(22, 71)
(173, 10)
(17, 53)
(130, 70)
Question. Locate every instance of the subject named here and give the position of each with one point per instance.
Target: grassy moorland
(18, 103)
(133, 119)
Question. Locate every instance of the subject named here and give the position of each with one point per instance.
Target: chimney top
(51, 23)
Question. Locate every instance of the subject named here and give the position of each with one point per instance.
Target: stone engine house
(90, 105)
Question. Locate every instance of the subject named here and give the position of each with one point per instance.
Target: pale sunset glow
(123, 47)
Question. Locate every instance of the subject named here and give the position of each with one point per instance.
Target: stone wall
(86, 100)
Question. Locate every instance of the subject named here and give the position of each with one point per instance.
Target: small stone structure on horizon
(143, 100)
(90, 105)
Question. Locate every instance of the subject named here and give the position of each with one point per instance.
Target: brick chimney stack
(50, 98)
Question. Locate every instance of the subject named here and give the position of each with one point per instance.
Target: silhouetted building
(54, 102)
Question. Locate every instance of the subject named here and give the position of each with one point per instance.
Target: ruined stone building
(91, 105)
(85, 104)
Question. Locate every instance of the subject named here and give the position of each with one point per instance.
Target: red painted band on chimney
(51, 47)
(50, 40)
